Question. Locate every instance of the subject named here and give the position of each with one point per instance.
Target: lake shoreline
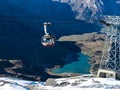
(49, 71)
(80, 64)
(72, 72)
(91, 44)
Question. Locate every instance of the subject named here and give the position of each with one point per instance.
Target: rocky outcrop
(91, 44)
(51, 82)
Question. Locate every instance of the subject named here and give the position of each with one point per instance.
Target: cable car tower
(47, 39)
(110, 61)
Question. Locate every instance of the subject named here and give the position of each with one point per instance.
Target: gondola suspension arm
(45, 27)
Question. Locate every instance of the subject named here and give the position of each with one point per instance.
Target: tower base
(103, 73)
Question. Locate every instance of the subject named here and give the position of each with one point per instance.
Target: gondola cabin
(48, 40)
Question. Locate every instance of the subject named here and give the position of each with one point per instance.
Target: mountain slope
(90, 10)
(85, 9)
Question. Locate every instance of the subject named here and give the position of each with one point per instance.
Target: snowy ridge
(85, 82)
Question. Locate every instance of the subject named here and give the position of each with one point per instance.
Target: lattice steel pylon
(110, 61)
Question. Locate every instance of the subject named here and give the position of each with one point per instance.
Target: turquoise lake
(80, 66)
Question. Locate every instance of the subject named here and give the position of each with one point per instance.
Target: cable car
(47, 39)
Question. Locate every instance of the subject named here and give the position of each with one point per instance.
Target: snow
(16, 84)
(18, 81)
(12, 87)
(85, 82)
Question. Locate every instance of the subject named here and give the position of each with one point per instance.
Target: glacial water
(80, 66)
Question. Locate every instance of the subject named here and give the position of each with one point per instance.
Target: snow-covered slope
(84, 82)
(17, 84)
(85, 9)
